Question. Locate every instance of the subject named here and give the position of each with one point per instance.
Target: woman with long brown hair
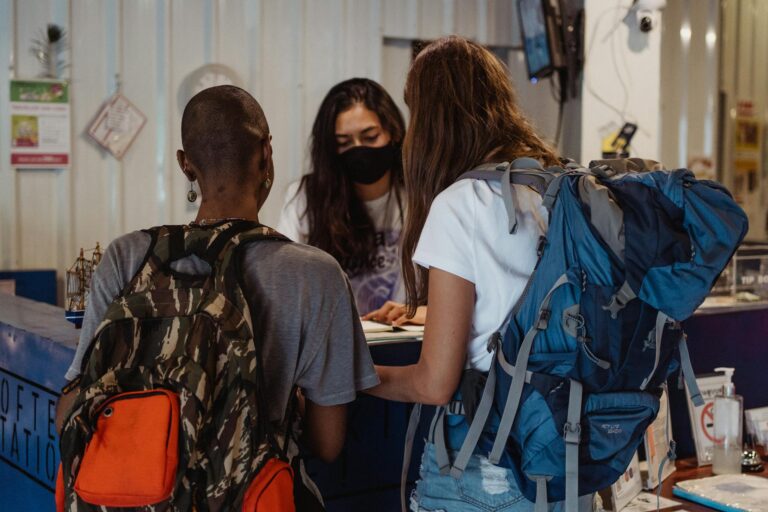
(350, 204)
(458, 254)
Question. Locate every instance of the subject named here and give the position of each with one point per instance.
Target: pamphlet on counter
(379, 332)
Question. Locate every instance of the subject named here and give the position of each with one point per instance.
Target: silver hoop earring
(267, 183)
(191, 195)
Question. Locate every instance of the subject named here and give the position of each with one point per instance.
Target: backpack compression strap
(572, 437)
(521, 365)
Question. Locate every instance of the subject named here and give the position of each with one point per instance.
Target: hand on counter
(395, 313)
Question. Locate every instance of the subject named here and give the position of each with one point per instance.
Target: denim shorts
(483, 487)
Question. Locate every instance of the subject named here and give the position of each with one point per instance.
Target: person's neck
(241, 208)
(376, 189)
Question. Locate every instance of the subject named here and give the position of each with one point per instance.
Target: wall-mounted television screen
(536, 38)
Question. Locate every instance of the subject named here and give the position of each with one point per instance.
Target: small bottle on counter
(728, 413)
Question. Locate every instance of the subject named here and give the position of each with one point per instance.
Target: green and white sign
(40, 124)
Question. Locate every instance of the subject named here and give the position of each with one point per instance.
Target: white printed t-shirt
(466, 233)
(371, 288)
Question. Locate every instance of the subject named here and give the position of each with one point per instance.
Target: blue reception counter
(37, 345)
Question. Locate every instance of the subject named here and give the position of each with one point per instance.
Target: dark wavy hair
(463, 113)
(339, 223)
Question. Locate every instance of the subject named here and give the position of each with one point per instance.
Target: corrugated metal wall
(744, 76)
(689, 81)
(287, 52)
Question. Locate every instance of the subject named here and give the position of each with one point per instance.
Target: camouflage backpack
(170, 414)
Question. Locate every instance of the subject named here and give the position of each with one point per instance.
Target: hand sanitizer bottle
(728, 410)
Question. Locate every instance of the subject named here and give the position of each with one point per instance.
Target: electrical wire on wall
(621, 112)
(557, 94)
(637, 16)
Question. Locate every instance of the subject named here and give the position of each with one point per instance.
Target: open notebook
(729, 493)
(379, 332)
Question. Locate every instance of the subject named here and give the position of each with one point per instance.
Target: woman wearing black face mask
(350, 204)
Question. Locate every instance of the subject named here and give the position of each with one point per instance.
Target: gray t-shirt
(301, 302)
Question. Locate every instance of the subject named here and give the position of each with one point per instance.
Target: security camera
(646, 22)
(645, 12)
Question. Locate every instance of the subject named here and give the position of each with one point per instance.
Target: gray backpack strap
(437, 434)
(410, 435)
(478, 423)
(541, 493)
(522, 171)
(442, 458)
(518, 376)
(671, 453)
(616, 166)
(500, 173)
(620, 299)
(483, 409)
(658, 335)
(572, 437)
(688, 375)
(487, 172)
(510, 199)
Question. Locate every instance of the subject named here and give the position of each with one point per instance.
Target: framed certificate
(116, 125)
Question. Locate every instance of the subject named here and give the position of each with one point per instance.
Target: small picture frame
(116, 125)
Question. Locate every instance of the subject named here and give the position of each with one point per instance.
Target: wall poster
(40, 124)
(747, 153)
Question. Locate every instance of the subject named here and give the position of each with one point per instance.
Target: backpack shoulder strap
(236, 234)
(166, 245)
(223, 253)
(214, 244)
(522, 171)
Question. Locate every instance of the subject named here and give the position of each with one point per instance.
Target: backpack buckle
(572, 432)
(619, 300)
(541, 246)
(604, 171)
(614, 306)
(543, 319)
(493, 342)
(573, 323)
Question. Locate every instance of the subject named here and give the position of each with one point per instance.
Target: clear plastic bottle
(728, 414)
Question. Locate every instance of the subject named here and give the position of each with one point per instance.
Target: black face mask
(366, 165)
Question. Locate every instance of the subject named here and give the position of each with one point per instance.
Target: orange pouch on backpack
(271, 490)
(132, 456)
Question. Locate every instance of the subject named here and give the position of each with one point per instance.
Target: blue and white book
(729, 493)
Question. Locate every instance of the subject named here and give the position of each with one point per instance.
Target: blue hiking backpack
(631, 251)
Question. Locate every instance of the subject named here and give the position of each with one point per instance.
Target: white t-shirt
(467, 234)
(373, 288)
